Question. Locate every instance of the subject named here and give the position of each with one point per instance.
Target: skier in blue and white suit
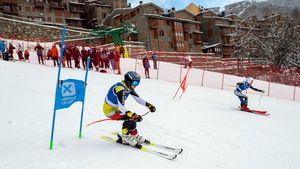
(240, 87)
(114, 108)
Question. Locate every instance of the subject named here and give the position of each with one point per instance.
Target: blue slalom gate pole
(86, 75)
(58, 83)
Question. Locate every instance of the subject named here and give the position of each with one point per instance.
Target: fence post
(180, 73)
(158, 63)
(223, 81)
(294, 97)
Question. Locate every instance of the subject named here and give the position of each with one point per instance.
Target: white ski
(144, 149)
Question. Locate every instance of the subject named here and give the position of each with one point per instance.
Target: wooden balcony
(39, 4)
(198, 41)
(186, 28)
(76, 10)
(153, 24)
(9, 2)
(57, 5)
(10, 10)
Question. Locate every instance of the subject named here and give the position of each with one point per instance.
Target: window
(168, 22)
(155, 34)
(209, 33)
(161, 33)
(103, 15)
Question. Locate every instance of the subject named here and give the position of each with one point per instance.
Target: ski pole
(108, 119)
(145, 113)
(260, 98)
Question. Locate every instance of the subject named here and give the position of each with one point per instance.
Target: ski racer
(114, 108)
(240, 87)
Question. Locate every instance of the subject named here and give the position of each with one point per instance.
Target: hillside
(205, 123)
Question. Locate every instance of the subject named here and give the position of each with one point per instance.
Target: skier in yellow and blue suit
(114, 108)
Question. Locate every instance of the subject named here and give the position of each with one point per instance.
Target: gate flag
(68, 92)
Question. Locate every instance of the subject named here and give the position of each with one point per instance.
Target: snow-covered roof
(149, 4)
(211, 46)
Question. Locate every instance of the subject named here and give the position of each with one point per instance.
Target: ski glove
(137, 118)
(151, 107)
(134, 116)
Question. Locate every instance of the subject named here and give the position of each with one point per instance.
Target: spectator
(76, 56)
(122, 52)
(146, 65)
(111, 59)
(95, 58)
(69, 56)
(105, 58)
(20, 52)
(117, 61)
(10, 52)
(188, 61)
(84, 55)
(90, 55)
(39, 51)
(54, 55)
(26, 54)
(49, 54)
(2, 47)
(154, 58)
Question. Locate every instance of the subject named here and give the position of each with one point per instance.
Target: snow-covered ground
(205, 123)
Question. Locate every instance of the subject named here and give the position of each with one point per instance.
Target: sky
(180, 4)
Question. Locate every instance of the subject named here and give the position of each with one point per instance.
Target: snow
(205, 123)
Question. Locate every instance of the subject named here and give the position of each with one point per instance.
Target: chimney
(173, 9)
(141, 2)
(129, 5)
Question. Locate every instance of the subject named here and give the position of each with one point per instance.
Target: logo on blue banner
(68, 92)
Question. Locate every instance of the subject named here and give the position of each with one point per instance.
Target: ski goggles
(135, 83)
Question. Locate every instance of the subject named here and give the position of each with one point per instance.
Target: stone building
(175, 31)
(217, 33)
(79, 13)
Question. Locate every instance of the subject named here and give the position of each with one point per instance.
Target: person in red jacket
(146, 65)
(26, 54)
(117, 61)
(84, 55)
(76, 56)
(95, 58)
(11, 51)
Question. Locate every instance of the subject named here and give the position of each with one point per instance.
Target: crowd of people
(73, 56)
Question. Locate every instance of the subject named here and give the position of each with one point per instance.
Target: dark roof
(115, 12)
(170, 18)
(149, 4)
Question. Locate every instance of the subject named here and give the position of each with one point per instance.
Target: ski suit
(114, 106)
(240, 87)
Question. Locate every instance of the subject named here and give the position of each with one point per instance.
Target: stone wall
(31, 31)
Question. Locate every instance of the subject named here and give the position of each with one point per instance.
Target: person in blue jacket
(2, 47)
(114, 108)
(242, 86)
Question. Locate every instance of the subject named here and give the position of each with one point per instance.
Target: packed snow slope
(205, 123)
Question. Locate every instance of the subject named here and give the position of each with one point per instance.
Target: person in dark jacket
(240, 87)
(146, 65)
(39, 52)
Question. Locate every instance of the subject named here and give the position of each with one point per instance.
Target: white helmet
(249, 79)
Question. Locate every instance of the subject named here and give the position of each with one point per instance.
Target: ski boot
(129, 140)
(140, 139)
(245, 108)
